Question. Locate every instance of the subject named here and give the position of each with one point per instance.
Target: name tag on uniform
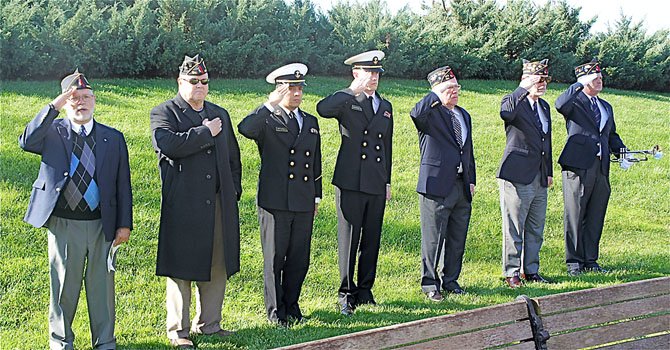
(280, 129)
(314, 131)
(356, 108)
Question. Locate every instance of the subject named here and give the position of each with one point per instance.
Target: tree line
(46, 39)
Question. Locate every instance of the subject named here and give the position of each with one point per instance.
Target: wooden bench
(633, 315)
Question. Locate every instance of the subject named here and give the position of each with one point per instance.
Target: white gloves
(625, 164)
(586, 79)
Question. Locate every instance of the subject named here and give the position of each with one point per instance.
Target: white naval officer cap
(369, 61)
(292, 74)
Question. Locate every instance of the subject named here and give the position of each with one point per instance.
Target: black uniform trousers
(585, 197)
(286, 240)
(359, 227)
(444, 227)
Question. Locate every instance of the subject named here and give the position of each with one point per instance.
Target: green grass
(635, 243)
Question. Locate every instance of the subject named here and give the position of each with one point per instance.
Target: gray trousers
(585, 198)
(209, 294)
(285, 239)
(524, 210)
(444, 227)
(78, 252)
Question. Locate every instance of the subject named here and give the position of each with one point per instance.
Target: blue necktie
(596, 111)
(538, 123)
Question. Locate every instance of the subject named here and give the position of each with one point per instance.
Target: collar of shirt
(297, 114)
(88, 127)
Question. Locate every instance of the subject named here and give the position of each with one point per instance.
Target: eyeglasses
(454, 88)
(195, 81)
(83, 98)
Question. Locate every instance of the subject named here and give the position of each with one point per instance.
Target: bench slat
(529, 345)
(422, 329)
(590, 297)
(608, 313)
(610, 333)
(657, 342)
(481, 339)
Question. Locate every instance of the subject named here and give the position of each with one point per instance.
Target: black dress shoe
(457, 290)
(347, 309)
(535, 277)
(435, 296)
(575, 272)
(370, 301)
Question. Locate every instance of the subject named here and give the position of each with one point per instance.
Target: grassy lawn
(635, 243)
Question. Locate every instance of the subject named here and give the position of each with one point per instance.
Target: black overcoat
(188, 160)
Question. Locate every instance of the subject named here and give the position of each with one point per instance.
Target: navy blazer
(290, 175)
(53, 139)
(440, 152)
(528, 148)
(584, 137)
(364, 160)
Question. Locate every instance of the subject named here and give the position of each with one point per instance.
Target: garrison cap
(536, 68)
(440, 75)
(369, 61)
(75, 79)
(193, 66)
(588, 68)
(292, 74)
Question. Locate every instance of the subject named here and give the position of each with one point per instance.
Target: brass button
(542, 152)
(365, 144)
(377, 148)
(305, 178)
(66, 173)
(306, 165)
(57, 189)
(461, 152)
(379, 159)
(291, 163)
(290, 176)
(306, 153)
(543, 139)
(365, 132)
(292, 151)
(380, 135)
(208, 176)
(363, 156)
(209, 151)
(208, 202)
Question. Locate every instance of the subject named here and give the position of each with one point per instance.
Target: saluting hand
(529, 81)
(61, 100)
(359, 84)
(444, 91)
(213, 125)
(278, 94)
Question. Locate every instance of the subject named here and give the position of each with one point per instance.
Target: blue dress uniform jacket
(364, 160)
(584, 136)
(290, 175)
(53, 139)
(189, 159)
(440, 152)
(528, 149)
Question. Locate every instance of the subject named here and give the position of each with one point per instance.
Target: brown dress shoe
(182, 343)
(513, 282)
(434, 296)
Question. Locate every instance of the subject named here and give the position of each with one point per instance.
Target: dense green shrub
(248, 38)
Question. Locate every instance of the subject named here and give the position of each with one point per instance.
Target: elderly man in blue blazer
(525, 174)
(585, 161)
(83, 196)
(446, 183)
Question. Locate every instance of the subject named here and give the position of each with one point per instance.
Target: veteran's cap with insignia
(540, 68)
(292, 74)
(75, 79)
(193, 66)
(369, 61)
(588, 68)
(440, 75)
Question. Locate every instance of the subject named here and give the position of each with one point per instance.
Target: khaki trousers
(78, 252)
(209, 295)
